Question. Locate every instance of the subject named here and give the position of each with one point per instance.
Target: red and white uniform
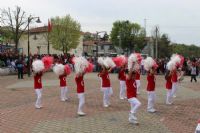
(105, 79)
(38, 89)
(174, 77)
(137, 76)
(106, 88)
(174, 83)
(169, 89)
(131, 88)
(131, 95)
(169, 83)
(38, 81)
(63, 82)
(151, 91)
(122, 82)
(151, 82)
(122, 75)
(80, 84)
(80, 91)
(63, 87)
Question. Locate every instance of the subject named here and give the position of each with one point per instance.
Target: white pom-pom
(58, 69)
(132, 59)
(108, 62)
(100, 60)
(148, 63)
(38, 66)
(176, 58)
(171, 65)
(80, 64)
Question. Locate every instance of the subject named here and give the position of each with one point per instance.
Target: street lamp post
(132, 40)
(30, 18)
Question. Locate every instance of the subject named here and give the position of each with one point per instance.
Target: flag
(49, 26)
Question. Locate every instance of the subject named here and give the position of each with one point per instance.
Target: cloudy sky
(180, 19)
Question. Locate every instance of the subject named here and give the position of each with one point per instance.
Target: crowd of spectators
(15, 61)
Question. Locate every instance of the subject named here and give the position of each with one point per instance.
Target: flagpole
(48, 43)
(49, 30)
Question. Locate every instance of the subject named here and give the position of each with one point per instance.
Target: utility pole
(156, 42)
(145, 27)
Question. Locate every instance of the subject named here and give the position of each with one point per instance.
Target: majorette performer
(133, 66)
(62, 71)
(168, 78)
(138, 57)
(39, 66)
(175, 63)
(81, 66)
(106, 64)
(150, 66)
(121, 62)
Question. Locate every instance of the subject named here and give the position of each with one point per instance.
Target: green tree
(16, 21)
(65, 33)
(88, 37)
(186, 50)
(105, 37)
(5, 35)
(127, 35)
(164, 47)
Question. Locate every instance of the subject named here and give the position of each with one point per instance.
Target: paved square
(18, 115)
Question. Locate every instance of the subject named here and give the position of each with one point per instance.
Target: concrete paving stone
(18, 115)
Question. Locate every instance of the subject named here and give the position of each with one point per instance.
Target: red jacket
(122, 75)
(137, 76)
(151, 82)
(38, 81)
(169, 83)
(80, 84)
(105, 79)
(174, 77)
(131, 88)
(62, 80)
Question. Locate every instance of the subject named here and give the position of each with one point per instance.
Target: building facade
(105, 48)
(39, 43)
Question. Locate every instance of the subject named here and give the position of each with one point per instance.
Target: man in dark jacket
(20, 66)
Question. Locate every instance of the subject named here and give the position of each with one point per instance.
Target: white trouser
(169, 96)
(38, 102)
(63, 93)
(106, 95)
(151, 99)
(174, 88)
(81, 97)
(138, 85)
(122, 93)
(135, 104)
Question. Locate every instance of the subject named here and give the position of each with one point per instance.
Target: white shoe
(174, 96)
(121, 98)
(132, 117)
(106, 105)
(63, 100)
(66, 99)
(133, 121)
(151, 110)
(37, 106)
(169, 103)
(80, 113)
